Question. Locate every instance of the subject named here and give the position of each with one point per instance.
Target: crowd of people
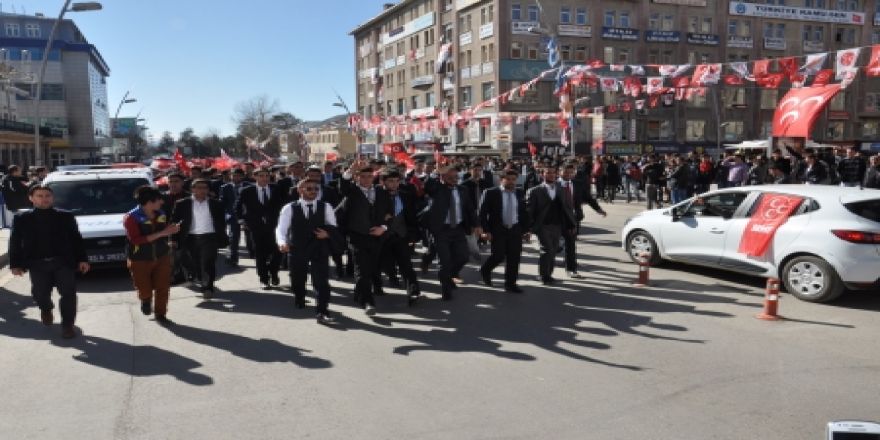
(379, 223)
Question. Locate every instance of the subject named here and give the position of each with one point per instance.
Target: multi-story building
(328, 143)
(496, 47)
(74, 93)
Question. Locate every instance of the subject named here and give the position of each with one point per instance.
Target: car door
(697, 231)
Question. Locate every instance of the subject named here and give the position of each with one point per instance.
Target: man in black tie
(403, 233)
(304, 227)
(288, 184)
(257, 209)
(575, 197)
(229, 195)
(202, 232)
(550, 214)
(451, 218)
(364, 215)
(504, 217)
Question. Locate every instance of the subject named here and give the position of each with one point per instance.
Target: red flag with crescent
(823, 77)
(798, 110)
(873, 67)
(772, 212)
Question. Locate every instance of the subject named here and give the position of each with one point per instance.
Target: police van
(99, 196)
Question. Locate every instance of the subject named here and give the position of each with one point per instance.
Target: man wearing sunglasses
(303, 234)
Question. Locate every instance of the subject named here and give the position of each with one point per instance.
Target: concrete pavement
(594, 358)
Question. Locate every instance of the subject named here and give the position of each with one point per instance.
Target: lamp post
(125, 100)
(76, 7)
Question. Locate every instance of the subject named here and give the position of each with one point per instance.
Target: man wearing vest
(303, 231)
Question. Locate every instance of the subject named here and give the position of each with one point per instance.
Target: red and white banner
(846, 64)
(798, 110)
(772, 212)
(873, 67)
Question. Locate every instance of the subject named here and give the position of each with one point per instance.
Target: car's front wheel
(640, 245)
(811, 279)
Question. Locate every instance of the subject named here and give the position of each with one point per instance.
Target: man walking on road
(550, 214)
(46, 242)
(505, 220)
(257, 209)
(202, 233)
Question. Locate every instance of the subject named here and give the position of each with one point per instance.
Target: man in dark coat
(46, 242)
(202, 232)
(551, 213)
(403, 233)
(257, 210)
(505, 222)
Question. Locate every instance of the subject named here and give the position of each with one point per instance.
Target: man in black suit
(304, 227)
(228, 195)
(575, 196)
(364, 215)
(47, 243)
(330, 195)
(403, 233)
(257, 209)
(202, 232)
(330, 175)
(505, 220)
(551, 213)
(451, 218)
(287, 184)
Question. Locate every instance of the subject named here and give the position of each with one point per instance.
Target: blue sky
(188, 62)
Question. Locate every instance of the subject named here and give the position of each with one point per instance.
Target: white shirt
(457, 200)
(287, 214)
(201, 221)
(260, 190)
(551, 190)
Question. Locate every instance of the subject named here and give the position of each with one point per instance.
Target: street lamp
(125, 100)
(76, 7)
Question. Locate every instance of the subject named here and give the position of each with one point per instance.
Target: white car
(830, 243)
(99, 197)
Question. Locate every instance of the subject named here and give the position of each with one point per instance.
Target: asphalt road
(587, 359)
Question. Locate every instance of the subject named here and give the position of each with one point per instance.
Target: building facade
(74, 93)
(330, 144)
(495, 48)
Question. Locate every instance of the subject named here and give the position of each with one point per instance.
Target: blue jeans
(678, 194)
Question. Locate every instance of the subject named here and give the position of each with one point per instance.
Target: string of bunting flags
(639, 89)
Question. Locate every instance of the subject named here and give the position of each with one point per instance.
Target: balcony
(22, 127)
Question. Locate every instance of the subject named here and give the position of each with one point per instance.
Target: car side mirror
(676, 216)
(727, 215)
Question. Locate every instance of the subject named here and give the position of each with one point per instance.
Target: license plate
(107, 258)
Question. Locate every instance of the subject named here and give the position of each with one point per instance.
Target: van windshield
(93, 197)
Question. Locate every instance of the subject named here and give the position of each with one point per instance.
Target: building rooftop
(389, 8)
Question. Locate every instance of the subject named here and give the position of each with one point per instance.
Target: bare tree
(254, 116)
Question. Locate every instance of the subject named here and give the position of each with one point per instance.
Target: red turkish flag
(402, 158)
(331, 156)
(533, 150)
(596, 64)
(789, 67)
(799, 108)
(681, 85)
(761, 68)
(772, 212)
(733, 80)
(873, 67)
(181, 162)
(771, 80)
(823, 77)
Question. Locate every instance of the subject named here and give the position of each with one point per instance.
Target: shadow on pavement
(140, 361)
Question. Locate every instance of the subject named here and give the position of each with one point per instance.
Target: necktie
(265, 196)
(507, 216)
(453, 209)
(568, 197)
(398, 205)
(311, 210)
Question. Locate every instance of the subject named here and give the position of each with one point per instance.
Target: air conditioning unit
(443, 139)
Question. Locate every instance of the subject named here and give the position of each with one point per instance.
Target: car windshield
(93, 197)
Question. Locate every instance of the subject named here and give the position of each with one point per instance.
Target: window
(533, 13)
(654, 21)
(401, 107)
(608, 55)
(668, 23)
(414, 102)
(846, 36)
(818, 4)
(870, 129)
(580, 53)
(32, 30)
(623, 56)
(667, 57)
(733, 131)
(580, 16)
(516, 12)
(610, 18)
(515, 50)
(565, 52)
(429, 99)
(565, 15)
(696, 130)
(488, 90)
(659, 130)
(836, 129)
(624, 19)
(12, 30)
(697, 100)
(768, 99)
(465, 96)
(872, 102)
(875, 36)
(734, 96)
(654, 56)
(838, 102)
(533, 52)
(717, 205)
(706, 27)
(774, 30)
(530, 96)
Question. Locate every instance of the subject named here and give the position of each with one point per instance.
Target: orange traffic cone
(771, 301)
(644, 271)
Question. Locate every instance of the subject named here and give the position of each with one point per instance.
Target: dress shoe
(513, 289)
(424, 266)
(275, 280)
(47, 317)
(68, 332)
(370, 310)
(325, 319)
(208, 292)
(447, 295)
(163, 320)
(487, 278)
(146, 307)
(548, 281)
(378, 291)
(265, 284)
(232, 262)
(575, 275)
(300, 303)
